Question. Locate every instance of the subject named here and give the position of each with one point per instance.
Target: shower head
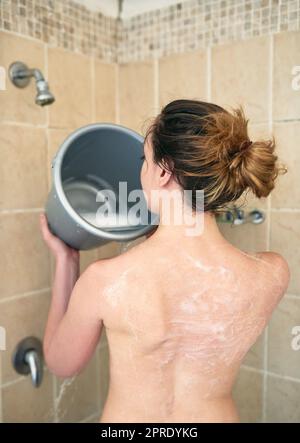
(20, 76)
(43, 96)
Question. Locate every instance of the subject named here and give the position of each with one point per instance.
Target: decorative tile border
(198, 24)
(62, 23)
(183, 27)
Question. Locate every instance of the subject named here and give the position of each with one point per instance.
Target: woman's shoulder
(277, 272)
(278, 262)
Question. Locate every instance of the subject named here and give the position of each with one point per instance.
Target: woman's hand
(57, 246)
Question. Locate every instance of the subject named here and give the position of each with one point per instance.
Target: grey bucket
(92, 158)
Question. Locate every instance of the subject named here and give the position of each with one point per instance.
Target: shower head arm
(36, 73)
(20, 74)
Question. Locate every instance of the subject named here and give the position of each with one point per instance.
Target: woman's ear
(165, 175)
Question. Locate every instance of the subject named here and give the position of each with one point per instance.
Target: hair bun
(238, 156)
(246, 144)
(242, 163)
(227, 134)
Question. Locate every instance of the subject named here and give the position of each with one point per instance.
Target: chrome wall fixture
(20, 76)
(238, 216)
(27, 359)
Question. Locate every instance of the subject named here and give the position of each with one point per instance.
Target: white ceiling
(130, 7)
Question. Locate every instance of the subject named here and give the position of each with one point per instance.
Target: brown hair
(208, 148)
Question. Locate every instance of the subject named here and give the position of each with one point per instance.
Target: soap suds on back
(209, 326)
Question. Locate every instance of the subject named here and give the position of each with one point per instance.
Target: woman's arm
(66, 275)
(73, 327)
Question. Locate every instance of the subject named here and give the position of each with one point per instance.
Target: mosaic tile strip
(182, 27)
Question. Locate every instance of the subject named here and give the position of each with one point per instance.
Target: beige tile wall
(29, 137)
(136, 98)
(190, 79)
(255, 73)
(238, 76)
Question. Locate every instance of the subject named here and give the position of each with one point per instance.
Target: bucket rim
(56, 165)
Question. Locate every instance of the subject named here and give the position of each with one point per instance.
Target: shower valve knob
(28, 359)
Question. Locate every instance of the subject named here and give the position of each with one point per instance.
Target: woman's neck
(204, 230)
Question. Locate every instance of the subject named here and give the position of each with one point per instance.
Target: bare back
(179, 323)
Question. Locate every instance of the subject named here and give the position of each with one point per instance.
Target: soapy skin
(179, 321)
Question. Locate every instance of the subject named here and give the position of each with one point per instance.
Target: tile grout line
(47, 122)
(117, 100)
(279, 16)
(289, 210)
(23, 124)
(100, 402)
(156, 84)
(117, 93)
(32, 125)
(19, 379)
(286, 120)
(20, 211)
(208, 74)
(61, 48)
(269, 205)
(13, 382)
(93, 89)
(98, 381)
(49, 180)
(271, 374)
(292, 296)
(24, 295)
(93, 112)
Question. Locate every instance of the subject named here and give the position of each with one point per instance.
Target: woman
(180, 311)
